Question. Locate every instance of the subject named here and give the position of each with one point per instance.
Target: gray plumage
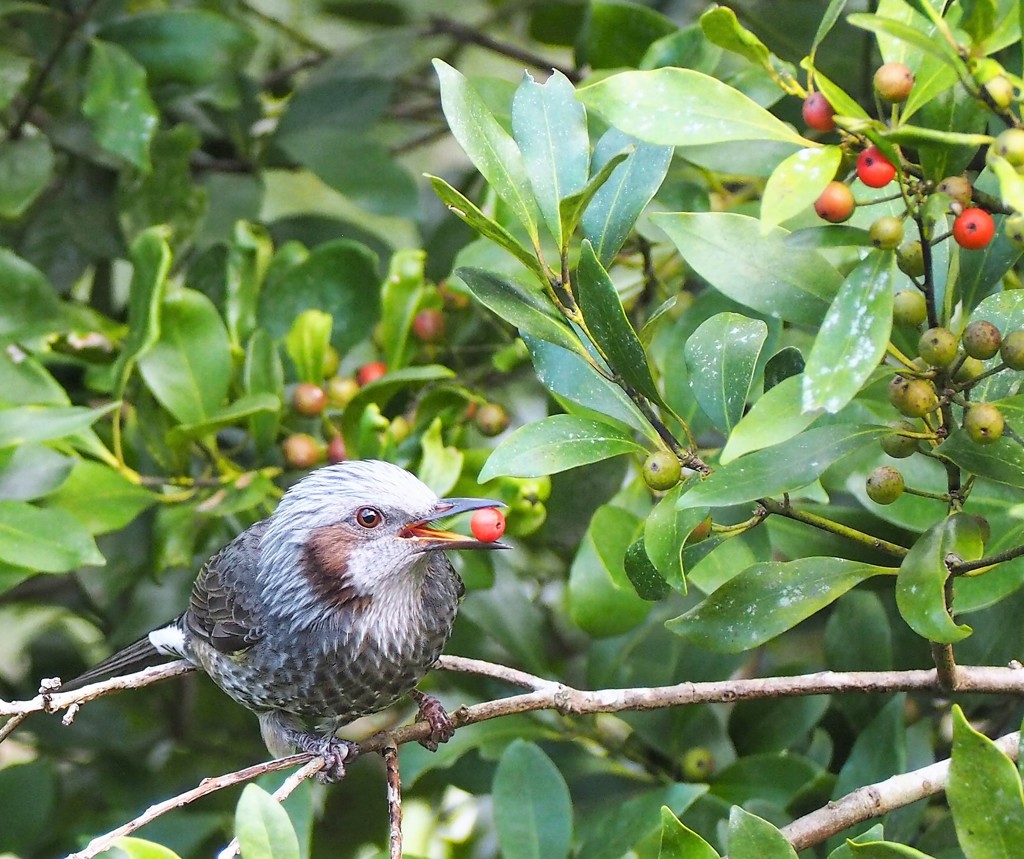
(332, 608)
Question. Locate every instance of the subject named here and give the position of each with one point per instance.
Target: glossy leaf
(470, 213)
(550, 126)
(248, 258)
(767, 276)
(853, 336)
(879, 751)
(648, 583)
(31, 471)
(836, 236)
(984, 794)
(617, 204)
(721, 357)
(751, 837)
(241, 410)
(571, 208)
(618, 34)
(555, 444)
(602, 601)
(766, 599)
(101, 498)
(26, 167)
(678, 842)
(528, 310)
(1002, 460)
(44, 540)
(488, 146)
(722, 28)
(442, 463)
(1005, 310)
(797, 182)
(139, 848)
(607, 322)
(263, 375)
(532, 807)
(884, 850)
(844, 104)
(921, 40)
(400, 299)
(263, 828)
(782, 468)
(776, 417)
(307, 343)
(920, 586)
(15, 71)
(681, 107)
(118, 103)
(189, 368)
(666, 530)
(36, 424)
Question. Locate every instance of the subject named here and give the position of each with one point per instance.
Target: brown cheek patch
(325, 566)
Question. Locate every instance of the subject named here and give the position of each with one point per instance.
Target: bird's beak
(428, 538)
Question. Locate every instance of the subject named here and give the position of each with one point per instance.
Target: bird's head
(356, 527)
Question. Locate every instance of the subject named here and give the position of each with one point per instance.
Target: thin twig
(394, 780)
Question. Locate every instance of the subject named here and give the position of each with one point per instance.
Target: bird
(332, 608)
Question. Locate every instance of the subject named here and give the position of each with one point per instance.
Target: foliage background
(179, 182)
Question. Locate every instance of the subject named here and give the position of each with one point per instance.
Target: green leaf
(307, 344)
(722, 28)
(15, 71)
(571, 208)
(47, 541)
(920, 586)
(681, 107)
(139, 848)
(36, 424)
(488, 146)
(750, 837)
(837, 236)
(263, 828)
(1011, 184)
(781, 468)
(853, 336)
(26, 166)
(263, 375)
(616, 205)
(555, 444)
(984, 795)
(619, 33)
(643, 575)
(241, 410)
(607, 322)
(189, 368)
(470, 213)
(767, 276)
(884, 850)
(441, 464)
(101, 498)
(118, 103)
(151, 262)
(532, 807)
(1002, 460)
(776, 417)
(338, 277)
(765, 600)
(721, 357)
(550, 126)
(666, 530)
(612, 836)
(797, 182)
(828, 21)
(918, 37)
(602, 601)
(678, 842)
(248, 258)
(878, 752)
(29, 302)
(31, 471)
(528, 310)
(844, 104)
(400, 299)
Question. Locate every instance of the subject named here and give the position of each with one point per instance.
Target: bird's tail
(154, 649)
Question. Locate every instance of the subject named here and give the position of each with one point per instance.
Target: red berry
(487, 524)
(818, 112)
(371, 372)
(874, 169)
(836, 203)
(336, 449)
(428, 325)
(309, 399)
(973, 228)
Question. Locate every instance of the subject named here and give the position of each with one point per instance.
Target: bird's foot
(335, 753)
(442, 729)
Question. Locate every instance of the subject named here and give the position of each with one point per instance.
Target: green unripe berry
(981, 339)
(698, 764)
(969, 370)
(1013, 227)
(900, 446)
(886, 233)
(956, 187)
(885, 484)
(1001, 91)
(909, 308)
(910, 258)
(912, 397)
(662, 470)
(938, 346)
(1010, 145)
(983, 423)
(1012, 350)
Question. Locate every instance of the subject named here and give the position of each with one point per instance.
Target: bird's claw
(442, 729)
(335, 754)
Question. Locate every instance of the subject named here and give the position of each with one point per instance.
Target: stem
(823, 524)
(924, 493)
(929, 285)
(963, 567)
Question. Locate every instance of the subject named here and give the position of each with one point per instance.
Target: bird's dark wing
(222, 609)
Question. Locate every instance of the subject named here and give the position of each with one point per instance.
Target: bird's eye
(369, 517)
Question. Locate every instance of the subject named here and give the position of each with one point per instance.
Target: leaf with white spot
(796, 183)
